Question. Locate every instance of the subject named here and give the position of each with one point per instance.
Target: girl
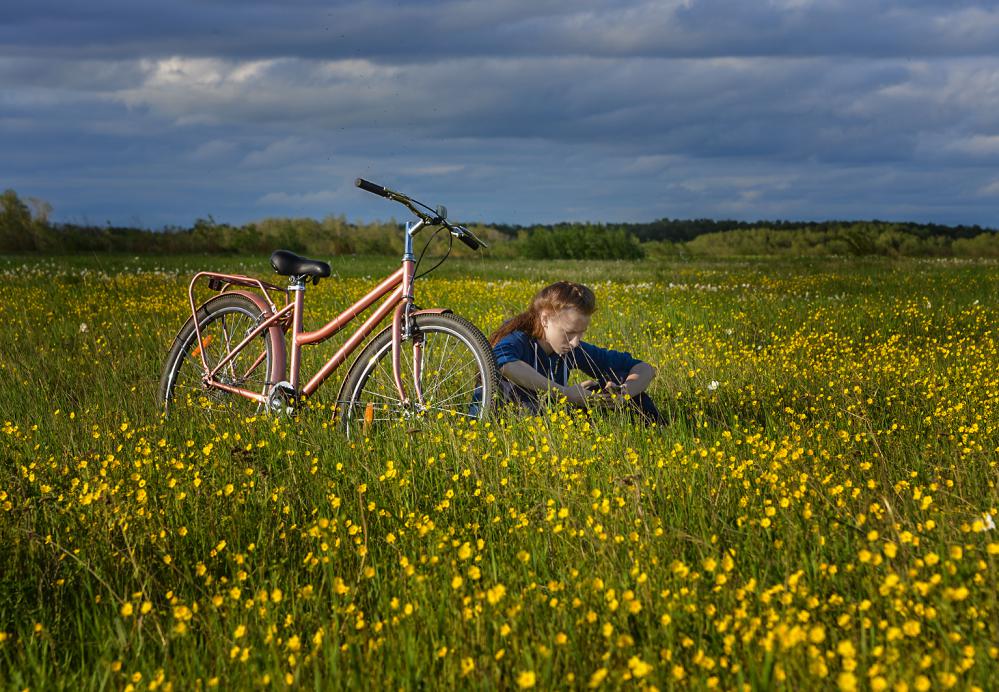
(536, 350)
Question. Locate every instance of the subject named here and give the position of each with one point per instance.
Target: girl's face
(564, 329)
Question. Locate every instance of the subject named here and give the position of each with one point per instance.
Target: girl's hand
(613, 394)
(582, 393)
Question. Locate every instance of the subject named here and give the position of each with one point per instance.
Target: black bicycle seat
(287, 263)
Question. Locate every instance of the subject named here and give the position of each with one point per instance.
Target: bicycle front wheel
(446, 358)
(224, 322)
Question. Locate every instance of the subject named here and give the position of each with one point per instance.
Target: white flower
(83, 327)
(990, 524)
(713, 385)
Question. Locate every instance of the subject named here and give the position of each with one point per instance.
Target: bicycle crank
(282, 399)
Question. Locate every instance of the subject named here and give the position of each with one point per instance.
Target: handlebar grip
(469, 240)
(371, 187)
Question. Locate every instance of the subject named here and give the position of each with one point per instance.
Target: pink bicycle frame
(398, 287)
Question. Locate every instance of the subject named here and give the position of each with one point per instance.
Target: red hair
(550, 299)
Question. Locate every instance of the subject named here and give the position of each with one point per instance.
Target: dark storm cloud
(431, 30)
(163, 112)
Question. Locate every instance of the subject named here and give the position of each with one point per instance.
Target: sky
(508, 111)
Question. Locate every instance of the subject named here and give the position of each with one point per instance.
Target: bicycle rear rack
(220, 283)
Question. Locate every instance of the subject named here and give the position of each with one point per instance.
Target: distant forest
(25, 228)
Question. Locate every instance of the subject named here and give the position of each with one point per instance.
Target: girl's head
(558, 316)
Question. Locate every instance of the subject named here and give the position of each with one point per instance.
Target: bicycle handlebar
(371, 187)
(459, 232)
(469, 239)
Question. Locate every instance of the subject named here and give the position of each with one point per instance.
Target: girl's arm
(522, 374)
(638, 379)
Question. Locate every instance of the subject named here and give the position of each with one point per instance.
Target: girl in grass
(536, 349)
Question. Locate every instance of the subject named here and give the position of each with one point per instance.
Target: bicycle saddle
(287, 263)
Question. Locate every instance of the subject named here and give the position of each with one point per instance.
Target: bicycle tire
(444, 338)
(183, 368)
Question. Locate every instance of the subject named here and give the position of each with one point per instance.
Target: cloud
(278, 152)
(513, 111)
(440, 169)
(428, 31)
(213, 150)
(990, 190)
(302, 199)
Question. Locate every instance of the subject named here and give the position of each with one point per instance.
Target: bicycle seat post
(296, 285)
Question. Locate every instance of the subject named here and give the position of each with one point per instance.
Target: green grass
(777, 533)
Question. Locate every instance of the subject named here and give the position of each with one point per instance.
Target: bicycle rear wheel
(446, 357)
(224, 322)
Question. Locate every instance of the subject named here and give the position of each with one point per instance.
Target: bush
(579, 242)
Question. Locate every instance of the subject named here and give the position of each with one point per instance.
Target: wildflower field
(819, 513)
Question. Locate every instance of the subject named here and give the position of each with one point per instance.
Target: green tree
(15, 224)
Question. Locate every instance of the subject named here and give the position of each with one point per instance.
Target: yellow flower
(958, 594)
(126, 609)
(467, 666)
(638, 667)
(847, 681)
(817, 634)
(598, 677)
(526, 679)
(845, 649)
(495, 594)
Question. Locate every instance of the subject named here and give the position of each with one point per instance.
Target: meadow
(818, 513)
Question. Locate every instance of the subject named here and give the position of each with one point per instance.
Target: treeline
(683, 230)
(25, 227)
(857, 239)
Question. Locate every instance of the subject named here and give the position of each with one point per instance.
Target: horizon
(524, 226)
(524, 113)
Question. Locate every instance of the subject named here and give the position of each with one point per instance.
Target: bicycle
(232, 348)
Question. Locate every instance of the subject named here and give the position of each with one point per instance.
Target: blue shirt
(602, 364)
